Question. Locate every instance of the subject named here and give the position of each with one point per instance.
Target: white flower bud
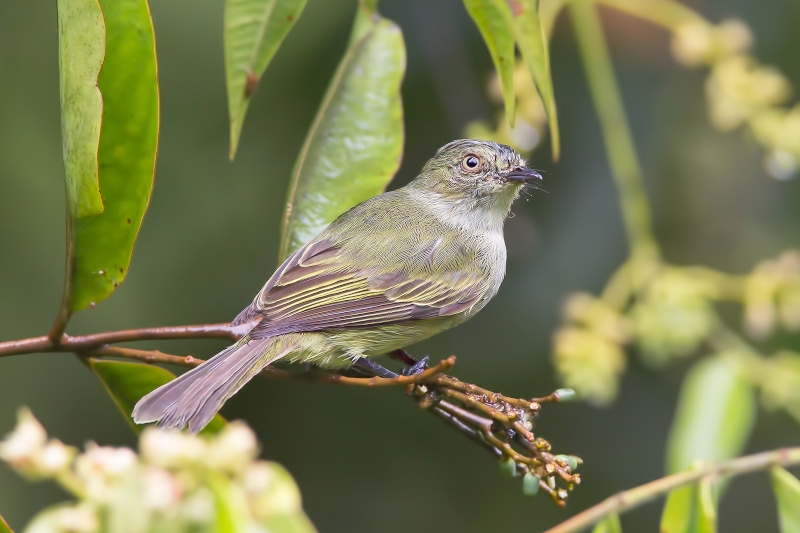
(160, 489)
(735, 36)
(105, 460)
(781, 165)
(25, 442)
(258, 477)
(198, 508)
(80, 519)
(233, 449)
(171, 448)
(55, 457)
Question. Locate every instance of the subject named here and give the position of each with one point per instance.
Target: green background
(368, 460)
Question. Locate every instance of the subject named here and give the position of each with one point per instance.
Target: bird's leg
(370, 366)
(404, 357)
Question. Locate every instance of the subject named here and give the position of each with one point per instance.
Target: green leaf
(714, 417)
(127, 383)
(495, 22)
(532, 42)
(787, 491)
(100, 246)
(4, 527)
(690, 509)
(81, 46)
(254, 30)
(609, 524)
(230, 505)
(355, 143)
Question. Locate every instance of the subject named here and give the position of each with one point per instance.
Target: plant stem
(632, 498)
(666, 13)
(82, 343)
(617, 136)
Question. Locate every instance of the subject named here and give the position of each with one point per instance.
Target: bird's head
(485, 173)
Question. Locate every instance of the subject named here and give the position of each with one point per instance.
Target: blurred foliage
(178, 482)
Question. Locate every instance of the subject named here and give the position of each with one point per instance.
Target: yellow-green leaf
(128, 382)
(495, 22)
(714, 417)
(787, 491)
(4, 527)
(532, 42)
(254, 30)
(81, 46)
(690, 509)
(101, 245)
(355, 143)
(609, 524)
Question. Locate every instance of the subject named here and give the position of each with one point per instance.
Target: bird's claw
(418, 367)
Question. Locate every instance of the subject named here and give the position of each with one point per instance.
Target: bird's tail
(192, 399)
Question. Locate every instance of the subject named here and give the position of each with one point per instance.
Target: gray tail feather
(192, 399)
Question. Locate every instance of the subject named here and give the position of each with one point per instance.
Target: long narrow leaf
(494, 20)
(532, 42)
(101, 245)
(254, 30)
(690, 509)
(787, 491)
(354, 146)
(81, 46)
(4, 527)
(714, 417)
(127, 383)
(609, 524)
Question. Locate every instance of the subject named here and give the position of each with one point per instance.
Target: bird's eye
(471, 163)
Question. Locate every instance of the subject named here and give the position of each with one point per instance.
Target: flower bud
(233, 449)
(171, 448)
(530, 484)
(22, 445)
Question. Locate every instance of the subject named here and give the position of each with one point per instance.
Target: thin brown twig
(632, 498)
(83, 343)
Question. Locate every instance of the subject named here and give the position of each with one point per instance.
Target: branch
(83, 343)
(632, 498)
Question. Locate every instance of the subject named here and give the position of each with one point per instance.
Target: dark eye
(471, 162)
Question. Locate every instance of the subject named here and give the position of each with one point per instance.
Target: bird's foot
(417, 367)
(368, 366)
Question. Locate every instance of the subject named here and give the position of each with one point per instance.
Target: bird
(393, 270)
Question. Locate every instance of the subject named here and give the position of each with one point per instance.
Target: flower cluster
(530, 119)
(178, 482)
(742, 92)
(772, 296)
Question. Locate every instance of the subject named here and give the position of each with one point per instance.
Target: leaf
(609, 524)
(714, 417)
(787, 491)
(355, 143)
(4, 527)
(230, 505)
(533, 44)
(254, 30)
(81, 46)
(101, 245)
(128, 382)
(495, 22)
(690, 509)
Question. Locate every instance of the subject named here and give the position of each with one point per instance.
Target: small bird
(393, 270)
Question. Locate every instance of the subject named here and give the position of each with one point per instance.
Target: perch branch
(632, 498)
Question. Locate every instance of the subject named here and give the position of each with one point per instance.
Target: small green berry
(530, 484)
(508, 467)
(565, 395)
(570, 460)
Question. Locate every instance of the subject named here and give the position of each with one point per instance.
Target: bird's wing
(321, 288)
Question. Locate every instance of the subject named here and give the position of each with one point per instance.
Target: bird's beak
(523, 175)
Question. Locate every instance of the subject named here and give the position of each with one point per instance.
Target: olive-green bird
(393, 270)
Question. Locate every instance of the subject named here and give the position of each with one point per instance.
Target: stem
(632, 498)
(617, 136)
(666, 13)
(82, 343)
